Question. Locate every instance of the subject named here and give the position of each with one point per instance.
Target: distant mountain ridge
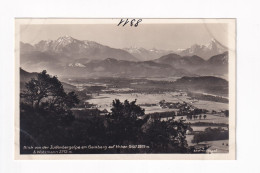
(177, 60)
(217, 64)
(67, 56)
(207, 84)
(72, 48)
(204, 51)
(123, 68)
(220, 59)
(168, 65)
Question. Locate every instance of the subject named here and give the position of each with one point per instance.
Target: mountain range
(122, 68)
(67, 56)
(204, 51)
(217, 65)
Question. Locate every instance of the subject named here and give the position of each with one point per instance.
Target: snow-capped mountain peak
(65, 38)
(76, 65)
(146, 54)
(92, 44)
(71, 48)
(204, 51)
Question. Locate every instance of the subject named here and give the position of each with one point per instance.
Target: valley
(149, 95)
(188, 87)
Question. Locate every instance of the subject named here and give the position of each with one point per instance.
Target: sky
(159, 36)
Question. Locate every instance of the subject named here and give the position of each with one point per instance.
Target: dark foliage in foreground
(46, 119)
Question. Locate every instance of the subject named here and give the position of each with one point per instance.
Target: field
(149, 93)
(104, 101)
(202, 128)
(210, 118)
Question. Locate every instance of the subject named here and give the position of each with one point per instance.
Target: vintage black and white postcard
(125, 88)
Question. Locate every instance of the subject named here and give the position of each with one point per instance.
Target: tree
(42, 87)
(200, 117)
(48, 92)
(126, 109)
(226, 112)
(123, 125)
(213, 112)
(45, 114)
(204, 116)
(167, 136)
(189, 117)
